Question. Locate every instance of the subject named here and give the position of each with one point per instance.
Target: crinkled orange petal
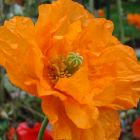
(106, 127)
(103, 91)
(61, 125)
(51, 106)
(88, 116)
(130, 94)
(19, 53)
(58, 43)
(73, 31)
(52, 23)
(77, 86)
(97, 35)
(118, 63)
(109, 120)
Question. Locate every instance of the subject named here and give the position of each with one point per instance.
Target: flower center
(64, 67)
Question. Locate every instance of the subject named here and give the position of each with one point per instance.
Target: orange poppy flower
(101, 13)
(134, 19)
(71, 60)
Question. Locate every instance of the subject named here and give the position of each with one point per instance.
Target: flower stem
(1, 12)
(91, 6)
(42, 129)
(108, 9)
(120, 12)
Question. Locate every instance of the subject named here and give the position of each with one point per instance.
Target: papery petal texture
(64, 128)
(19, 53)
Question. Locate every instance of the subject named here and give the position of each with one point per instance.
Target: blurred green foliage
(128, 7)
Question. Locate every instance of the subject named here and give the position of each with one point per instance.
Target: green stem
(91, 6)
(108, 9)
(42, 129)
(28, 108)
(120, 12)
(1, 11)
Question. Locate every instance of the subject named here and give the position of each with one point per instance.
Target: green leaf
(3, 125)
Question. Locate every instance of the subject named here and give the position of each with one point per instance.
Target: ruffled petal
(52, 23)
(54, 109)
(106, 128)
(51, 106)
(55, 46)
(65, 128)
(119, 64)
(103, 91)
(77, 86)
(88, 116)
(19, 53)
(98, 35)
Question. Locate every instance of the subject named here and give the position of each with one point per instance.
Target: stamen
(64, 67)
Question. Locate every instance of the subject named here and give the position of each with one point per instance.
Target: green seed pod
(74, 60)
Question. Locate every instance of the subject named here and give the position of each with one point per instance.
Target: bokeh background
(16, 106)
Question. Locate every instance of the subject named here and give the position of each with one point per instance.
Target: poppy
(24, 132)
(134, 19)
(101, 13)
(71, 60)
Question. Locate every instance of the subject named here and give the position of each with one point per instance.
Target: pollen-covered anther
(64, 67)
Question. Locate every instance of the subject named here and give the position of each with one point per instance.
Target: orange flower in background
(71, 60)
(101, 13)
(134, 19)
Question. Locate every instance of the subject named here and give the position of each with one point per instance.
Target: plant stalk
(1, 12)
(108, 9)
(91, 6)
(120, 12)
(42, 129)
